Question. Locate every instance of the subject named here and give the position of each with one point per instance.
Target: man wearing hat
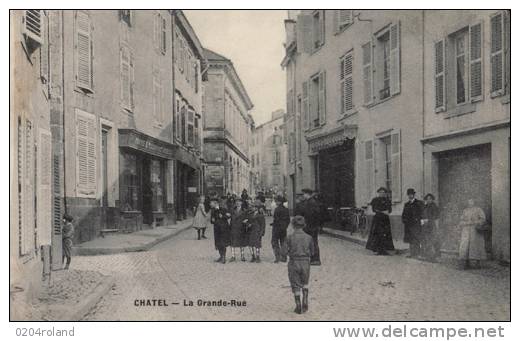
(220, 218)
(411, 217)
(281, 220)
(300, 248)
(309, 209)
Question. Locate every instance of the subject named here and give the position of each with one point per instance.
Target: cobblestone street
(352, 284)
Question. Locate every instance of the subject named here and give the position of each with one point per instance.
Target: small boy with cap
(300, 248)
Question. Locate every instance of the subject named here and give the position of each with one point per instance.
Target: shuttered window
(44, 53)
(86, 154)
(341, 19)
(157, 98)
(346, 83)
(127, 78)
(26, 187)
(497, 54)
(160, 33)
(396, 166)
(32, 25)
(440, 75)
(475, 62)
(190, 127)
(367, 73)
(395, 59)
(305, 105)
(304, 36)
(369, 169)
(318, 29)
(322, 107)
(83, 48)
(44, 179)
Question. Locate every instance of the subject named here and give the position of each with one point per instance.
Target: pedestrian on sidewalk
(67, 233)
(472, 248)
(239, 236)
(380, 237)
(411, 217)
(430, 225)
(200, 220)
(309, 209)
(281, 220)
(220, 218)
(300, 248)
(256, 223)
(245, 198)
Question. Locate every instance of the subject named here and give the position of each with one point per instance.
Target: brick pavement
(352, 284)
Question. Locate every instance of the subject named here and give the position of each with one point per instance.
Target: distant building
(269, 155)
(227, 128)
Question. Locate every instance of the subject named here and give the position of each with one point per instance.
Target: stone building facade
(269, 153)
(359, 103)
(31, 161)
(227, 128)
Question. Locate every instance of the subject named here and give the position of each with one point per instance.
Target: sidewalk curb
(87, 303)
(352, 239)
(79, 251)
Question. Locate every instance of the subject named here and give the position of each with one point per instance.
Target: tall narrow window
(127, 78)
(83, 51)
(497, 54)
(346, 88)
(461, 67)
(318, 29)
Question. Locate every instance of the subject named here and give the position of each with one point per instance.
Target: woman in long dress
(239, 237)
(256, 223)
(472, 248)
(200, 220)
(380, 237)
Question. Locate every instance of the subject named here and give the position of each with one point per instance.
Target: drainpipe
(63, 109)
(174, 108)
(423, 187)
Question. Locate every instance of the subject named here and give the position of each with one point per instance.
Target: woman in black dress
(380, 238)
(239, 236)
(431, 239)
(256, 227)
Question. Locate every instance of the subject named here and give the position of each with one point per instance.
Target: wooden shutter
(440, 75)
(304, 33)
(28, 231)
(497, 54)
(83, 51)
(369, 168)
(346, 83)
(44, 50)
(395, 140)
(475, 61)
(126, 78)
(395, 59)
(32, 25)
(344, 18)
(44, 188)
(163, 34)
(86, 154)
(305, 105)
(322, 98)
(368, 73)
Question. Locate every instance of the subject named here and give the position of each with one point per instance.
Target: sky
(252, 39)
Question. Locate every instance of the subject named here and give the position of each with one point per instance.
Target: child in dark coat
(300, 248)
(67, 235)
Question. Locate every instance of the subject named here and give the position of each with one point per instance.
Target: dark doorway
(104, 170)
(463, 173)
(336, 175)
(147, 192)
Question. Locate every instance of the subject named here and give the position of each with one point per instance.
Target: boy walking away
(300, 248)
(67, 235)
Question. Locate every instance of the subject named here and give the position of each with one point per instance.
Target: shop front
(143, 164)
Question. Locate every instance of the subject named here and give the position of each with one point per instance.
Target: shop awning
(332, 138)
(136, 140)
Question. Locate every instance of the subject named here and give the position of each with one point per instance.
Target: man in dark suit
(309, 209)
(220, 218)
(281, 220)
(411, 217)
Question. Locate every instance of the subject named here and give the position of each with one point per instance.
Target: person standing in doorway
(67, 236)
(431, 249)
(200, 220)
(308, 208)
(220, 218)
(245, 198)
(281, 220)
(472, 248)
(411, 218)
(300, 248)
(380, 237)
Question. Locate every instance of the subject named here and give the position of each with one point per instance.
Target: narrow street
(352, 284)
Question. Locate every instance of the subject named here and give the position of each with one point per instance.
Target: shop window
(157, 184)
(130, 184)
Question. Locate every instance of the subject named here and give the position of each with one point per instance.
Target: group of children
(244, 226)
